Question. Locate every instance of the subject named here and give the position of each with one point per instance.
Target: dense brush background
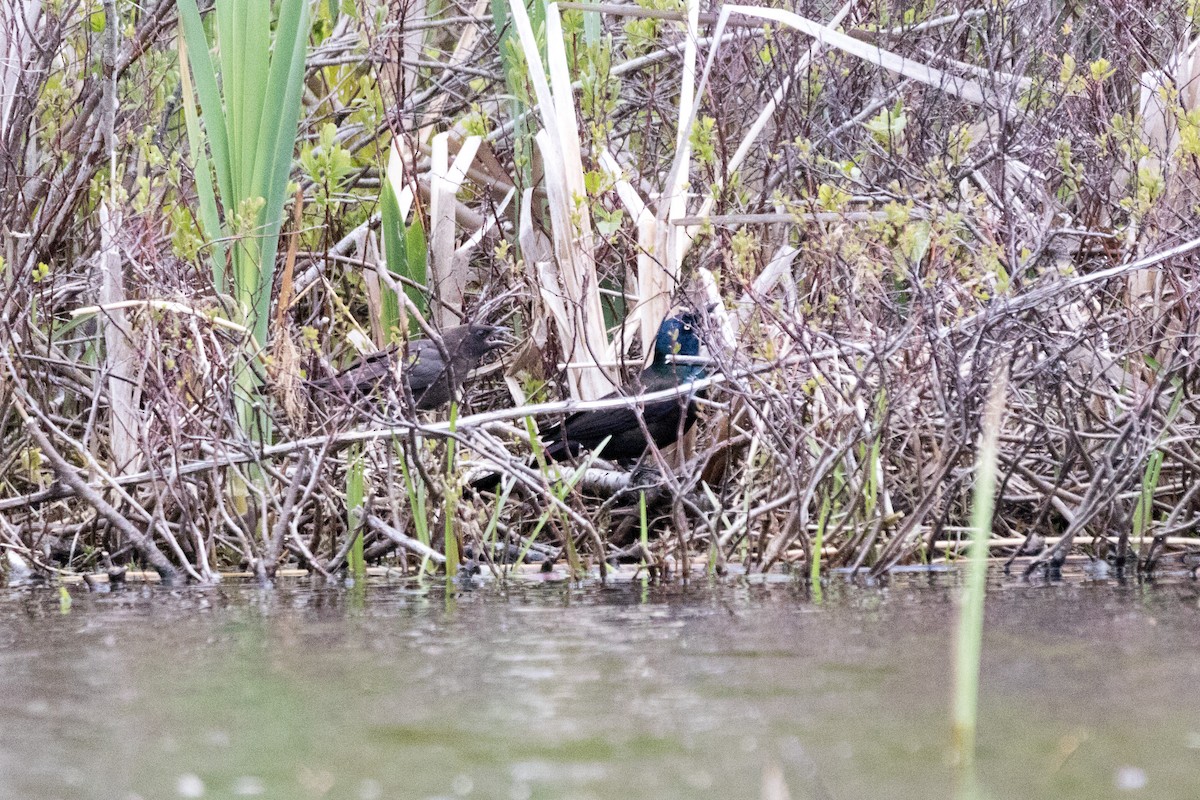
(872, 259)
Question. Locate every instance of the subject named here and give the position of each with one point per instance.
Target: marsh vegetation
(878, 211)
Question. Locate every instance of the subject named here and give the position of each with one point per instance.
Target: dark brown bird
(430, 378)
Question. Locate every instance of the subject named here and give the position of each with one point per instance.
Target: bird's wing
(363, 373)
(592, 426)
(584, 425)
(423, 366)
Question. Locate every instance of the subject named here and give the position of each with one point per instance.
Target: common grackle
(586, 430)
(425, 370)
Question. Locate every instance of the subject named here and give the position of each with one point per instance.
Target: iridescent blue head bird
(665, 420)
(677, 336)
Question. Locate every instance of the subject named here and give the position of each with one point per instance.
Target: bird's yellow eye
(687, 327)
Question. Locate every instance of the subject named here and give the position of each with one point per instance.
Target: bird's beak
(500, 337)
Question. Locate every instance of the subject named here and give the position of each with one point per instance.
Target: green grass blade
(355, 509)
(277, 142)
(644, 526)
(254, 58)
(415, 490)
(230, 46)
(450, 548)
(592, 28)
(210, 220)
(417, 262)
(970, 628)
(814, 568)
(395, 254)
(403, 244)
(205, 75)
(1143, 514)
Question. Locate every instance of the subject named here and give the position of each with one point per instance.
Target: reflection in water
(546, 690)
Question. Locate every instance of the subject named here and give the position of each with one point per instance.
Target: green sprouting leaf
(609, 222)
(703, 140)
(1067, 72)
(915, 240)
(593, 182)
(831, 198)
(327, 164)
(1101, 70)
(887, 127)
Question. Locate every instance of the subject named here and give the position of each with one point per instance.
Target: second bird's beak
(500, 337)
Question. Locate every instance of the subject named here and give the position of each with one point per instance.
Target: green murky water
(1089, 690)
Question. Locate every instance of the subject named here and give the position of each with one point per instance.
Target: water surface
(546, 690)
